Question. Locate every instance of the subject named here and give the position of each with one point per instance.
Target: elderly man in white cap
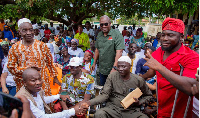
(118, 85)
(30, 52)
(77, 84)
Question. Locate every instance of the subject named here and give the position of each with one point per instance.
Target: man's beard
(170, 47)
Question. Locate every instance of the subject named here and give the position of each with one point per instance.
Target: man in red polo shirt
(165, 63)
(47, 32)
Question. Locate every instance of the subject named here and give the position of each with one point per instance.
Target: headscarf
(173, 24)
(68, 39)
(23, 20)
(91, 61)
(35, 26)
(75, 40)
(4, 42)
(90, 51)
(63, 46)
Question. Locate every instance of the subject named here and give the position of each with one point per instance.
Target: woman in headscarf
(138, 39)
(64, 59)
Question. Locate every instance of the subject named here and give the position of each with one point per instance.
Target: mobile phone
(8, 103)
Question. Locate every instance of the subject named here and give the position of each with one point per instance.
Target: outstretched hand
(55, 80)
(151, 62)
(85, 106)
(65, 97)
(78, 109)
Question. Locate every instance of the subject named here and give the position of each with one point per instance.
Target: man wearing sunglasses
(109, 47)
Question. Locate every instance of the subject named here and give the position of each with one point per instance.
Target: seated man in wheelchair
(118, 85)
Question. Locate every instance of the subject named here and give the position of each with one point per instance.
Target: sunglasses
(102, 24)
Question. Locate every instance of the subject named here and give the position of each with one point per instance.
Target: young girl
(87, 63)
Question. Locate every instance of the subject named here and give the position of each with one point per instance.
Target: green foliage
(128, 21)
(78, 10)
(8, 11)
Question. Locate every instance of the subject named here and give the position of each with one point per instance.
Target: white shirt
(87, 67)
(134, 63)
(4, 60)
(127, 41)
(141, 53)
(134, 32)
(56, 48)
(10, 77)
(38, 37)
(50, 46)
(42, 32)
(91, 32)
(52, 29)
(39, 112)
(124, 53)
(78, 53)
(56, 31)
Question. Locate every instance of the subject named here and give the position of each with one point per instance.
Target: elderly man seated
(32, 90)
(118, 85)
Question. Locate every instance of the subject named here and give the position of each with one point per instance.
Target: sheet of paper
(128, 100)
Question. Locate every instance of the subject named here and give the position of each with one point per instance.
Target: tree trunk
(189, 24)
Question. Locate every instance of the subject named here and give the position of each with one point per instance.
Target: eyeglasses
(106, 24)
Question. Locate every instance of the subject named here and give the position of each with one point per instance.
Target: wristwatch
(115, 67)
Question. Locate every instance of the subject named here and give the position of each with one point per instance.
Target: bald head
(29, 73)
(105, 17)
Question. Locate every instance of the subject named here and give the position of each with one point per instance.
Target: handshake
(81, 108)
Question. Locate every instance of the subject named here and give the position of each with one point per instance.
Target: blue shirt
(140, 68)
(8, 34)
(196, 41)
(155, 43)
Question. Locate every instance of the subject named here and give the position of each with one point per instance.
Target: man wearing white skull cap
(118, 85)
(30, 52)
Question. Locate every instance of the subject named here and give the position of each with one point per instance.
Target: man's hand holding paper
(131, 98)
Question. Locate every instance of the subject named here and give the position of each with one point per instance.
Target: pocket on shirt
(174, 68)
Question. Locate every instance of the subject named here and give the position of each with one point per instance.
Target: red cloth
(124, 33)
(173, 24)
(47, 33)
(166, 91)
(90, 52)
